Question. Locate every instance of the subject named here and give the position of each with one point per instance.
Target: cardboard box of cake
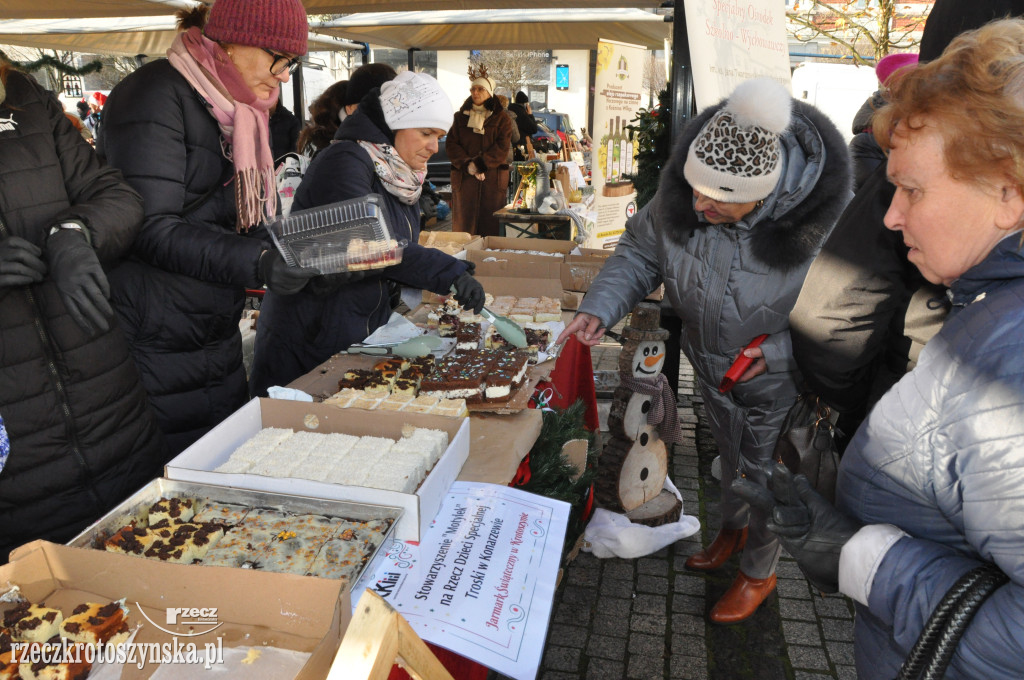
(376, 457)
(291, 629)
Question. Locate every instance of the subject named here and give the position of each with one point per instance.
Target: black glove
(76, 271)
(469, 293)
(20, 262)
(809, 527)
(279, 277)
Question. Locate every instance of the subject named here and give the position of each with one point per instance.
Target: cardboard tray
(299, 613)
(196, 463)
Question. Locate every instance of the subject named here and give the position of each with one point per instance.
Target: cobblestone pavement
(647, 618)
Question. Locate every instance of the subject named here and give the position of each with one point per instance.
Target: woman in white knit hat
(383, 149)
(478, 146)
(753, 186)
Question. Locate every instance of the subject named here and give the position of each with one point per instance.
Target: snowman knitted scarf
(663, 412)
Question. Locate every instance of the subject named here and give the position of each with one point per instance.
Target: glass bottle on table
(616, 152)
(625, 152)
(608, 156)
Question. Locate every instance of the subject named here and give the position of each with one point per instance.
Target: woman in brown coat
(478, 146)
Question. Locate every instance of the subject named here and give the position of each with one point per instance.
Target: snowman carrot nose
(651, 360)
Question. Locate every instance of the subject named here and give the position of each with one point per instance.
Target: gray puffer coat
(730, 283)
(941, 456)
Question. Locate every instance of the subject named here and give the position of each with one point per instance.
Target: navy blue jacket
(296, 333)
(180, 296)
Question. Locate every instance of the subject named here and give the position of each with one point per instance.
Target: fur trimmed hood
(799, 213)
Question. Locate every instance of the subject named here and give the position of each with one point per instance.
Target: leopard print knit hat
(737, 157)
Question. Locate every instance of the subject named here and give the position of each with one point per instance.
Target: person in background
(515, 129)
(92, 121)
(865, 312)
(364, 79)
(751, 190)
(382, 148)
(82, 436)
(525, 122)
(478, 147)
(864, 150)
(190, 134)
(930, 486)
(76, 122)
(284, 130)
(325, 115)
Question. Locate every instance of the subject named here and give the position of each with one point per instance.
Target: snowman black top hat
(645, 324)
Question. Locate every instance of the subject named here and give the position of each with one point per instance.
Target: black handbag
(931, 654)
(807, 444)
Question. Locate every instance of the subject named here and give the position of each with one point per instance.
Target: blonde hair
(974, 97)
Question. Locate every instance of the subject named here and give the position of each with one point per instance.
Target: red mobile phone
(739, 366)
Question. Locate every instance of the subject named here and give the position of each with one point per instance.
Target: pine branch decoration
(49, 61)
(552, 475)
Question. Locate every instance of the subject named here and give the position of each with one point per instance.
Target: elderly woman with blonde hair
(930, 486)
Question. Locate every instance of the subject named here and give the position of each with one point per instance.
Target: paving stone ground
(647, 618)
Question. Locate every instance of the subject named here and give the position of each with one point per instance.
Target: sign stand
(377, 638)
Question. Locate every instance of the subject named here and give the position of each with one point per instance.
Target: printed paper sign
(482, 581)
(733, 41)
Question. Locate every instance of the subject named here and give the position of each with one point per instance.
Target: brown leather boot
(727, 542)
(742, 599)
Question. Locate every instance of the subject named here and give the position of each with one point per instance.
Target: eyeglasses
(282, 63)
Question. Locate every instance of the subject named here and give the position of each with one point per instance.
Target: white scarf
(478, 115)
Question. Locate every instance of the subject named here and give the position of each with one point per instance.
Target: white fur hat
(486, 83)
(737, 157)
(415, 100)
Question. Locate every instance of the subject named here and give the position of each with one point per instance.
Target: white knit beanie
(737, 157)
(415, 100)
(486, 83)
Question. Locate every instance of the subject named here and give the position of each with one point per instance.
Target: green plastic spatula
(420, 346)
(506, 328)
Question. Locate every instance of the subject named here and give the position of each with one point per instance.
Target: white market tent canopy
(126, 36)
(501, 29)
(64, 9)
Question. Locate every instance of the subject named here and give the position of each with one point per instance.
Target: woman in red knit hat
(190, 133)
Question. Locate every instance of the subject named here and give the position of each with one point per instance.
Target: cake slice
(130, 540)
(32, 623)
(76, 668)
(453, 408)
(233, 466)
(548, 309)
(95, 624)
(172, 509)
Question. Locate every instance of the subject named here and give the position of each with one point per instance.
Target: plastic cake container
(339, 237)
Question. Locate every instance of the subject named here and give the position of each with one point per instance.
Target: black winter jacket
(82, 434)
(180, 296)
(864, 312)
(296, 333)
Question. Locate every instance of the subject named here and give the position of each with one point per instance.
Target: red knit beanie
(275, 24)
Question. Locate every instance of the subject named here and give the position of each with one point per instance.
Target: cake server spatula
(506, 328)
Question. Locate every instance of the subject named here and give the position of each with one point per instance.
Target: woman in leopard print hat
(766, 177)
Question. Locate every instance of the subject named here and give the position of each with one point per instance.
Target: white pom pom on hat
(761, 102)
(737, 157)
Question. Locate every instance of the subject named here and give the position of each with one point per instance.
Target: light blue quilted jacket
(942, 456)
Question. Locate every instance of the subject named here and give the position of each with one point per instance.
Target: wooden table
(548, 226)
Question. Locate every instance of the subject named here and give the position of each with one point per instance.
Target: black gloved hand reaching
(279, 277)
(83, 286)
(810, 528)
(469, 293)
(20, 262)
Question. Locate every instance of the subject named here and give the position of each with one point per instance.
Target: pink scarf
(243, 119)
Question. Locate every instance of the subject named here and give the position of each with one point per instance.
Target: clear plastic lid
(338, 237)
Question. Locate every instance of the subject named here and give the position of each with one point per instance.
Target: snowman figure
(642, 421)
